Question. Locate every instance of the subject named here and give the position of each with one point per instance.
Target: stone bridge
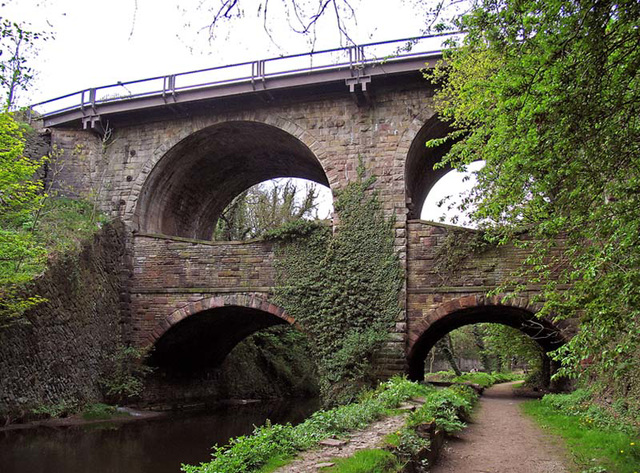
(168, 161)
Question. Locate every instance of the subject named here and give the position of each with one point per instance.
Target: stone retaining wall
(60, 354)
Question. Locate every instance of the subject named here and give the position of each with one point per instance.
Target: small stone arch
(305, 144)
(200, 335)
(518, 312)
(238, 300)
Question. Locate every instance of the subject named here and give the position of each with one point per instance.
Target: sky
(98, 42)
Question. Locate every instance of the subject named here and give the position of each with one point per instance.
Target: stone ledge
(202, 290)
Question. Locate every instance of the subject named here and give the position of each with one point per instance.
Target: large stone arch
(518, 312)
(201, 334)
(190, 178)
(420, 176)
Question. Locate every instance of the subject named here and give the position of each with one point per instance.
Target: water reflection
(157, 446)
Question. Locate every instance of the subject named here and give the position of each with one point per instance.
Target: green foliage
(485, 380)
(99, 411)
(265, 207)
(21, 256)
(407, 443)
(580, 404)
(274, 361)
(17, 47)
(547, 93)
(508, 344)
(250, 453)
(366, 461)
(124, 378)
(57, 409)
(445, 407)
(596, 442)
(343, 289)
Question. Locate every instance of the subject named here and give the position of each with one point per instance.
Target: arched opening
(197, 178)
(200, 342)
(420, 176)
(541, 331)
(444, 201)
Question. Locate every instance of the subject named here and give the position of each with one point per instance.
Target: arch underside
(194, 182)
(202, 341)
(541, 331)
(420, 176)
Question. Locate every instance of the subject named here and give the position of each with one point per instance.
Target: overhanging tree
(547, 93)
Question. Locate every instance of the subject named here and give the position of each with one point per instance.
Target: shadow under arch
(420, 176)
(197, 178)
(541, 331)
(199, 336)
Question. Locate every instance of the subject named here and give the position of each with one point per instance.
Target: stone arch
(189, 180)
(201, 334)
(518, 312)
(420, 176)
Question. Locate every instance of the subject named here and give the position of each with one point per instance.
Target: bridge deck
(354, 67)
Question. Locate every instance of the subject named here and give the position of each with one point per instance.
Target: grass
(274, 463)
(482, 379)
(99, 411)
(366, 461)
(594, 449)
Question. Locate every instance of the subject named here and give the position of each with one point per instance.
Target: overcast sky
(98, 42)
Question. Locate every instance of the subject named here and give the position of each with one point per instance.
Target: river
(158, 445)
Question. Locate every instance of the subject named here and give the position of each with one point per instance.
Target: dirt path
(501, 440)
(312, 460)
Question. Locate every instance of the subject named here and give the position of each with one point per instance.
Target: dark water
(158, 445)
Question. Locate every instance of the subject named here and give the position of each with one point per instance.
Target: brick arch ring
(251, 301)
(466, 302)
(287, 125)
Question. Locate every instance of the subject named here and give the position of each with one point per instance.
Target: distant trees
(264, 207)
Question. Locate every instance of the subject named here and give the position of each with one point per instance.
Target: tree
(20, 199)
(547, 93)
(16, 49)
(264, 207)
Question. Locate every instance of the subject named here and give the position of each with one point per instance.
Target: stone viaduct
(168, 160)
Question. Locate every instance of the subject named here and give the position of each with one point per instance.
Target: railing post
(169, 85)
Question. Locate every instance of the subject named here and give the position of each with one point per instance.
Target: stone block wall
(173, 273)
(61, 353)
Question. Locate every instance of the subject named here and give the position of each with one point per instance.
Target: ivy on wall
(342, 288)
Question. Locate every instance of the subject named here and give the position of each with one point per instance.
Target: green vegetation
(251, 453)
(124, 377)
(34, 226)
(366, 461)
(482, 379)
(598, 440)
(56, 410)
(275, 361)
(342, 288)
(265, 207)
(498, 347)
(17, 47)
(99, 411)
(547, 93)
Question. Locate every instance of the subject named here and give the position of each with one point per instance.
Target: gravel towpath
(501, 439)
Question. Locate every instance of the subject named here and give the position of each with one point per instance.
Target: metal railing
(352, 57)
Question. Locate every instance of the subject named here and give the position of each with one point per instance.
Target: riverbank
(425, 410)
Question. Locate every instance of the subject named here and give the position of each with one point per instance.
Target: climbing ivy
(342, 288)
